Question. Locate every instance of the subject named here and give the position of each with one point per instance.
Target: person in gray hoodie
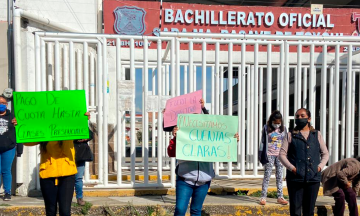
(193, 179)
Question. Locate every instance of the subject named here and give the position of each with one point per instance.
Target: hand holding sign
(183, 104)
(208, 138)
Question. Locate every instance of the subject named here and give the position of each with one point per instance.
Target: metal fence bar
(256, 109)
(66, 71)
(242, 119)
(282, 72)
(57, 73)
(348, 103)
(216, 77)
(79, 70)
(298, 81)
(343, 115)
(359, 121)
(159, 122)
(323, 96)
(87, 95)
(203, 67)
(212, 109)
(145, 113)
(352, 109)
(50, 64)
(132, 113)
(173, 59)
(230, 93)
(331, 115)
(72, 65)
(286, 86)
(252, 117)
(268, 81)
(105, 115)
(191, 67)
(119, 133)
(100, 108)
(335, 154)
(305, 80)
(312, 84)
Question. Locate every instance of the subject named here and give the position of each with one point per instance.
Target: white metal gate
(224, 64)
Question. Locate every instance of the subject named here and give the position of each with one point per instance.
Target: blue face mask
(2, 108)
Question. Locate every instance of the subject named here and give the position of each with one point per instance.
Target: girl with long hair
(272, 137)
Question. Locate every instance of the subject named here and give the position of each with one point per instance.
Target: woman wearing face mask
(272, 137)
(304, 154)
(7, 146)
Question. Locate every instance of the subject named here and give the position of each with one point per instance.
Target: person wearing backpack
(83, 154)
(272, 137)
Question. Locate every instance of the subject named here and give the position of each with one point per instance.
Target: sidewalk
(214, 205)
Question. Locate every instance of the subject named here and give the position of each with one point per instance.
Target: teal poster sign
(207, 138)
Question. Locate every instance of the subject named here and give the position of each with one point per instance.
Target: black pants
(61, 193)
(302, 197)
(340, 196)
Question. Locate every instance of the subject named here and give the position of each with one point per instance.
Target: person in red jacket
(193, 179)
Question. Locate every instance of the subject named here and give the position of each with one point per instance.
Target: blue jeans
(6, 160)
(79, 179)
(183, 193)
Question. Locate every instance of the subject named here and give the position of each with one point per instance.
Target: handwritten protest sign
(208, 138)
(183, 104)
(50, 116)
(126, 94)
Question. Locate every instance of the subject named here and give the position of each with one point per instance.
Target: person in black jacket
(82, 154)
(304, 154)
(7, 146)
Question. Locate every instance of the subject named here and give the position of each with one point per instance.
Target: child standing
(272, 137)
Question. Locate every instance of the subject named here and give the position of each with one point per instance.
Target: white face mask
(276, 126)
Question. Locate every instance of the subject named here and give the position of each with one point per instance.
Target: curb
(215, 190)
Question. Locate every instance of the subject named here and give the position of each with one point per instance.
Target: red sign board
(143, 18)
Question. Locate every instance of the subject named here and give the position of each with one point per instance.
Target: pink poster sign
(184, 104)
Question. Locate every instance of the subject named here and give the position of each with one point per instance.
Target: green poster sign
(50, 116)
(208, 138)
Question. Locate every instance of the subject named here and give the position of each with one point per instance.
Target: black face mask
(301, 123)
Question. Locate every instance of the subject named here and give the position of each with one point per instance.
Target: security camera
(8, 93)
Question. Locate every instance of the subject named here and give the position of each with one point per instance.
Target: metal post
(348, 104)
(335, 155)
(230, 92)
(323, 94)
(119, 133)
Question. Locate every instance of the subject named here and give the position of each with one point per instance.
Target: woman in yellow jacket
(57, 175)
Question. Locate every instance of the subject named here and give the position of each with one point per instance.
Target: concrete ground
(222, 199)
(162, 205)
